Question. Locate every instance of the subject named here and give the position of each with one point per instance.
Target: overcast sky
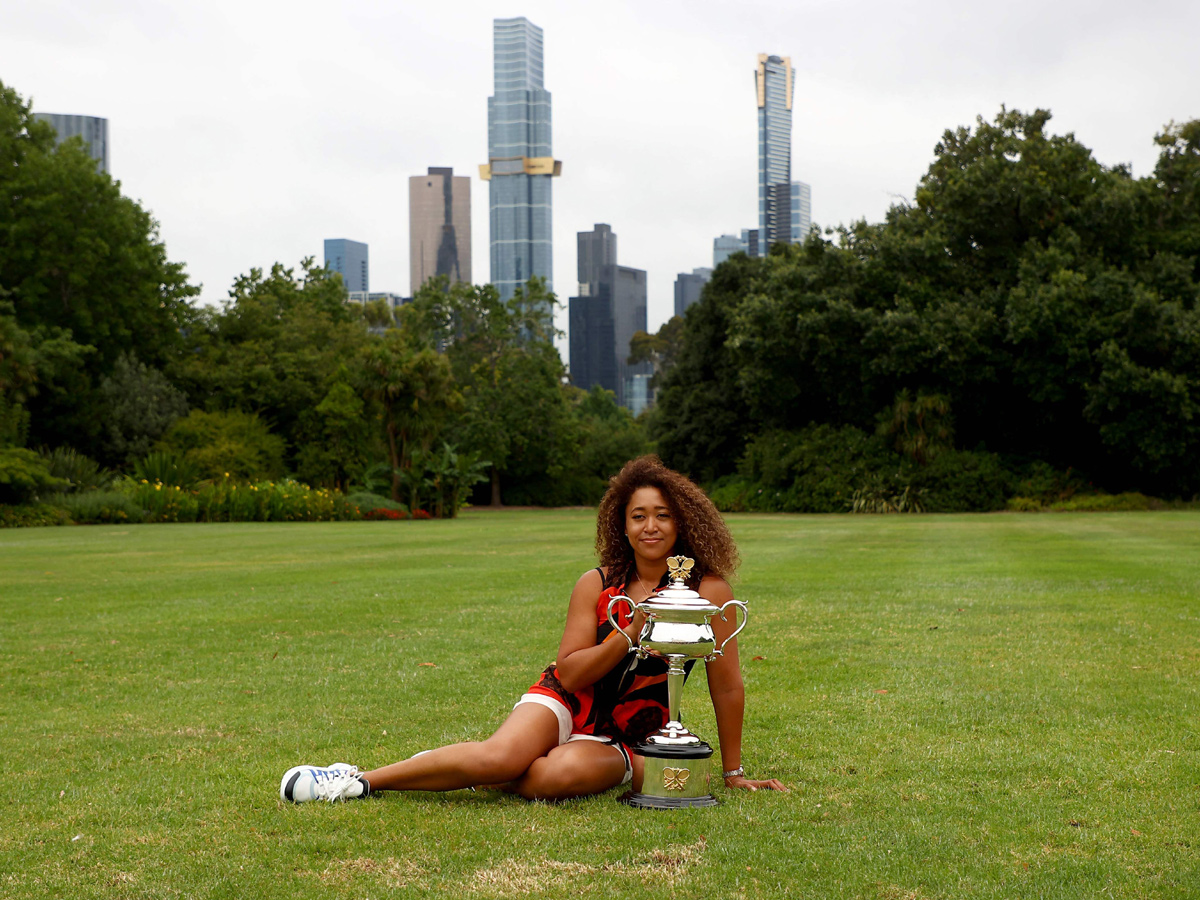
(253, 130)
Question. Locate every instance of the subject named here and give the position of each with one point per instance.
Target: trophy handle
(621, 598)
(740, 605)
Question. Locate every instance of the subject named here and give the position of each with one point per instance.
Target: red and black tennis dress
(628, 703)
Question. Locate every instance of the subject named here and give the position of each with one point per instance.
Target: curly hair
(702, 533)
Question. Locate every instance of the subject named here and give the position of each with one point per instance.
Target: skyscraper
(439, 227)
(801, 211)
(610, 307)
(350, 259)
(520, 159)
(688, 288)
(93, 130)
(597, 249)
(773, 85)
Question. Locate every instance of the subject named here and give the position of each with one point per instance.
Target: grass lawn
(965, 706)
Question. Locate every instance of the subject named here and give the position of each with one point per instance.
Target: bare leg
(572, 770)
(529, 732)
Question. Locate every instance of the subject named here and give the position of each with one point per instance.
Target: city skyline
(270, 151)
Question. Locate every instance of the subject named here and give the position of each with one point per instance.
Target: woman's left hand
(751, 784)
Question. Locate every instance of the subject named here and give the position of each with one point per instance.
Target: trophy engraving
(678, 628)
(675, 779)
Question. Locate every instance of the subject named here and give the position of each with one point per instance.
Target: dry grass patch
(392, 871)
(518, 877)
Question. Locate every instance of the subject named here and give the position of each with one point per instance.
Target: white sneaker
(339, 781)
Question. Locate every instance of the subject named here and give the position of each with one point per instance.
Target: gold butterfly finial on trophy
(680, 567)
(675, 779)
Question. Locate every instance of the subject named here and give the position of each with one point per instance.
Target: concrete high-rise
(439, 227)
(688, 288)
(773, 86)
(521, 160)
(349, 259)
(92, 129)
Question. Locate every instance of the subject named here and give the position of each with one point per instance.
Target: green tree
(139, 404)
(226, 443)
(414, 387)
(1051, 301)
(337, 433)
(83, 261)
(275, 348)
(658, 349)
(516, 412)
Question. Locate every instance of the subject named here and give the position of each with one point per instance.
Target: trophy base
(650, 801)
(675, 777)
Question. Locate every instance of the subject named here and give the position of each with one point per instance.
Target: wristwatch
(733, 772)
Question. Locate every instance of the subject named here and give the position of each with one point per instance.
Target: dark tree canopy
(82, 261)
(1051, 300)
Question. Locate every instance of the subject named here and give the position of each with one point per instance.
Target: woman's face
(650, 525)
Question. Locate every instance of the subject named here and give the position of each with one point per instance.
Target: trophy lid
(677, 595)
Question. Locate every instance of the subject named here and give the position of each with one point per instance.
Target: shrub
(272, 501)
(375, 515)
(963, 481)
(100, 507)
(226, 444)
(1127, 502)
(32, 516)
(729, 494)
(816, 469)
(884, 500)
(365, 500)
(80, 472)
(163, 502)
(165, 467)
(1046, 484)
(1024, 504)
(24, 474)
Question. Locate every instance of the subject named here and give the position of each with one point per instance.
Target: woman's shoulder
(592, 578)
(714, 587)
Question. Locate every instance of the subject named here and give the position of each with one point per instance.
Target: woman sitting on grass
(571, 734)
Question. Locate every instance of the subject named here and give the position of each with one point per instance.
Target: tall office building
(520, 159)
(597, 249)
(728, 244)
(801, 211)
(93, 130)
(350, 259)
(725, 246)
(611, 306)
(688, 288)
(439, 227)
(773, 84)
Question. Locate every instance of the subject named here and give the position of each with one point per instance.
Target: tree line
(104, 353)
(1026, 326)
(1029, 312)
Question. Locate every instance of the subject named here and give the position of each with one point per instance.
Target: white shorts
(565, 726)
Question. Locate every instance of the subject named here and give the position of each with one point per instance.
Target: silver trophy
(678, 764)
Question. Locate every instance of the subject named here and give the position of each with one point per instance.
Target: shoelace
(334, 789)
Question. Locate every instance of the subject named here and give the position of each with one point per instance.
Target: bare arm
(581, 661)
(727, 691)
